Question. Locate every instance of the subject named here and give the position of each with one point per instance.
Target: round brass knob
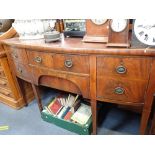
(38, 59)
(121, 70)
(119, 90)
(68, 63)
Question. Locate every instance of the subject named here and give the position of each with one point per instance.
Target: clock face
(99, 21)
(145, 31)
(118, 25)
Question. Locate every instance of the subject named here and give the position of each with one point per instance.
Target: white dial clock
(99, 21)
(145, 31)
(118, 25)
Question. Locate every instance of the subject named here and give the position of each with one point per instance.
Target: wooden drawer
(4, 83)
(6, 92)
(121, 90)
(19, 55)
(2, 74)
(23, 71)
(132, 68)
(42, 59)
(78, 84)
(71, 63)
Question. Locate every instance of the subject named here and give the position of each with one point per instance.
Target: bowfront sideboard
(114, 75)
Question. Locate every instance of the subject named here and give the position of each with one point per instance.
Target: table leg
(37, 95)
(94, 116)
(20, 82)
(144, 121)
(152, 129)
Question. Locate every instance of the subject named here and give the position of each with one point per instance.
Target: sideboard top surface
(76, 45)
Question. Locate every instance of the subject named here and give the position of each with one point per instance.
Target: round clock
(118, 25)
(145, 31)
(99, 21)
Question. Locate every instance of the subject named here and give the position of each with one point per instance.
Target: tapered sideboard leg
(94, 116)
(20, 82)
(144, 121)
(38, 97)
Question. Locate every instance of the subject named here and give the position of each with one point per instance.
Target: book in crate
(69, 108)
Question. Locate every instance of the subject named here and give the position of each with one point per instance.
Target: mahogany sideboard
(123, 76)
(9, 89)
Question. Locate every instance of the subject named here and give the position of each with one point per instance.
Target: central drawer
(71, 63)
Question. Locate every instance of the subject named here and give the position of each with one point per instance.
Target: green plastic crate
(68, 125)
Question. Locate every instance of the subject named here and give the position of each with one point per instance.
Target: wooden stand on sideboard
(115, 75)
(10, 93)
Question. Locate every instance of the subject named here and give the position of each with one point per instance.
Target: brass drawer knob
(38, 59)
(119, 90)
(68, 63)
(121, 70)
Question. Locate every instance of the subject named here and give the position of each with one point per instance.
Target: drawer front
(42, 59)
(62, 81)
(4, 83)
(133, 68)
(121, 90)
(71, 63)
(19, 55)
(23, 71)
(2, 74)
(6, 92)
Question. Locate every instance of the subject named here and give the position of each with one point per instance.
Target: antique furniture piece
(114, 75)
(9, 90)
(96, 30)
(118, 33)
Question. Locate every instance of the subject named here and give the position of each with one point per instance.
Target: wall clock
(145, 31)
(118, 33)
(96, 30)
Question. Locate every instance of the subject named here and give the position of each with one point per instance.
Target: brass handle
(38, 59)
(119, 90)
(121, 70)
(20, 70)
(68, 63)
